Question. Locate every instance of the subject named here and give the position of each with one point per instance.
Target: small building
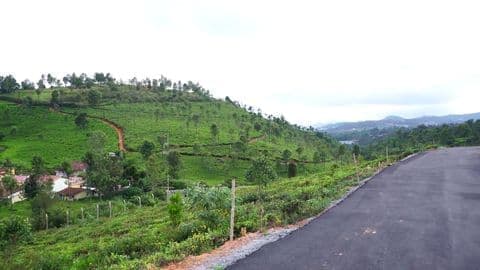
(78, 166)
(16, 197)
(71, 193)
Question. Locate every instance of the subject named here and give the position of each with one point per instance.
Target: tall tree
(9, 84)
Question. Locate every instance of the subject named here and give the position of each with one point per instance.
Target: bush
(177, 184)
(175, 209)
(131, 192)
(14, 230)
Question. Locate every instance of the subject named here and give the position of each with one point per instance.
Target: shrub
(131, 192)
(175, 209)
(14, 230)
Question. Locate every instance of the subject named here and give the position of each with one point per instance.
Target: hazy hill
(396, 121)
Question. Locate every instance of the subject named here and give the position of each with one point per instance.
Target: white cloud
(312, 61)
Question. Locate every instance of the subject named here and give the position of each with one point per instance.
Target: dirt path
(118, 129)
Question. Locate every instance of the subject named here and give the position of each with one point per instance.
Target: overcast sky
(312, 61)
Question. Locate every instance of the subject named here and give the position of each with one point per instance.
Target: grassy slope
(53, 136)
(144, 236)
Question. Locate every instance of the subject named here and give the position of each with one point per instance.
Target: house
(71, 193)
(59, 184)
(16, 197)
(21, 179)
(76, 181)
(79, 167)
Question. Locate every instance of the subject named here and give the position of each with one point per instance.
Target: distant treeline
(424, 137)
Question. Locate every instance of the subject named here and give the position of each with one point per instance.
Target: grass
(53, 136)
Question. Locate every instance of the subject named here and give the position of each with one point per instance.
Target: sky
(311, 61)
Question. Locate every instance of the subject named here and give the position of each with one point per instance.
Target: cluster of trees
(9, 83)
(421, 137)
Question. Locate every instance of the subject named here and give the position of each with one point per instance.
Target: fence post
(46, 221)
(124, 206)
(98, 211)
(110, 208)
(356, 167)
(232, 211)
(68, 218)
(83, 217)
(139, 201)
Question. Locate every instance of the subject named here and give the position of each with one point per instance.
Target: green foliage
(81, 120)
(174, 164)
(9, 183)
(14, 230)
(292, 169)
(175, 209)
(146, 149)
(94, 97)
(261, 172)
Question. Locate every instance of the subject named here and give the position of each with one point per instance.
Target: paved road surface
(423, 213)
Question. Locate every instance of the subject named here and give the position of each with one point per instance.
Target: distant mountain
(397, 121)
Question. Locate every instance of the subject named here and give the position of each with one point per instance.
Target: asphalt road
(423, 213)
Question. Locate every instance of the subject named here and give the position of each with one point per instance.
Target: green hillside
(183, 119)
(37, 131)
(166, 136)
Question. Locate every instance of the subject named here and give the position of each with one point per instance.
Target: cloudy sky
(312, 61)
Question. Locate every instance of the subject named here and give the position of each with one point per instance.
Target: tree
(286, 155)
(261, 172)
(67, 167)
(31, 186)
(40, 205)
(356, 150)
(146, 149)
(8, 85)
(55, 97)
(94, 97)
(41, 85)
(81, 120)
(14, 230)
(100, 77)
(214, 131)
(38, 165)
(28, 85)
(174, 164)
(51, 80)
(9, 184)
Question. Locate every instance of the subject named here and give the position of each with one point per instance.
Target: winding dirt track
(118, 129)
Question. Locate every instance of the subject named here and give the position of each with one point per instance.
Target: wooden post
(46, 221)
(110, 208)
(124, 206)
(139, 201)
(68, 219)
(232, 211)
(83, 216)
(98, 211)
(356, 167)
